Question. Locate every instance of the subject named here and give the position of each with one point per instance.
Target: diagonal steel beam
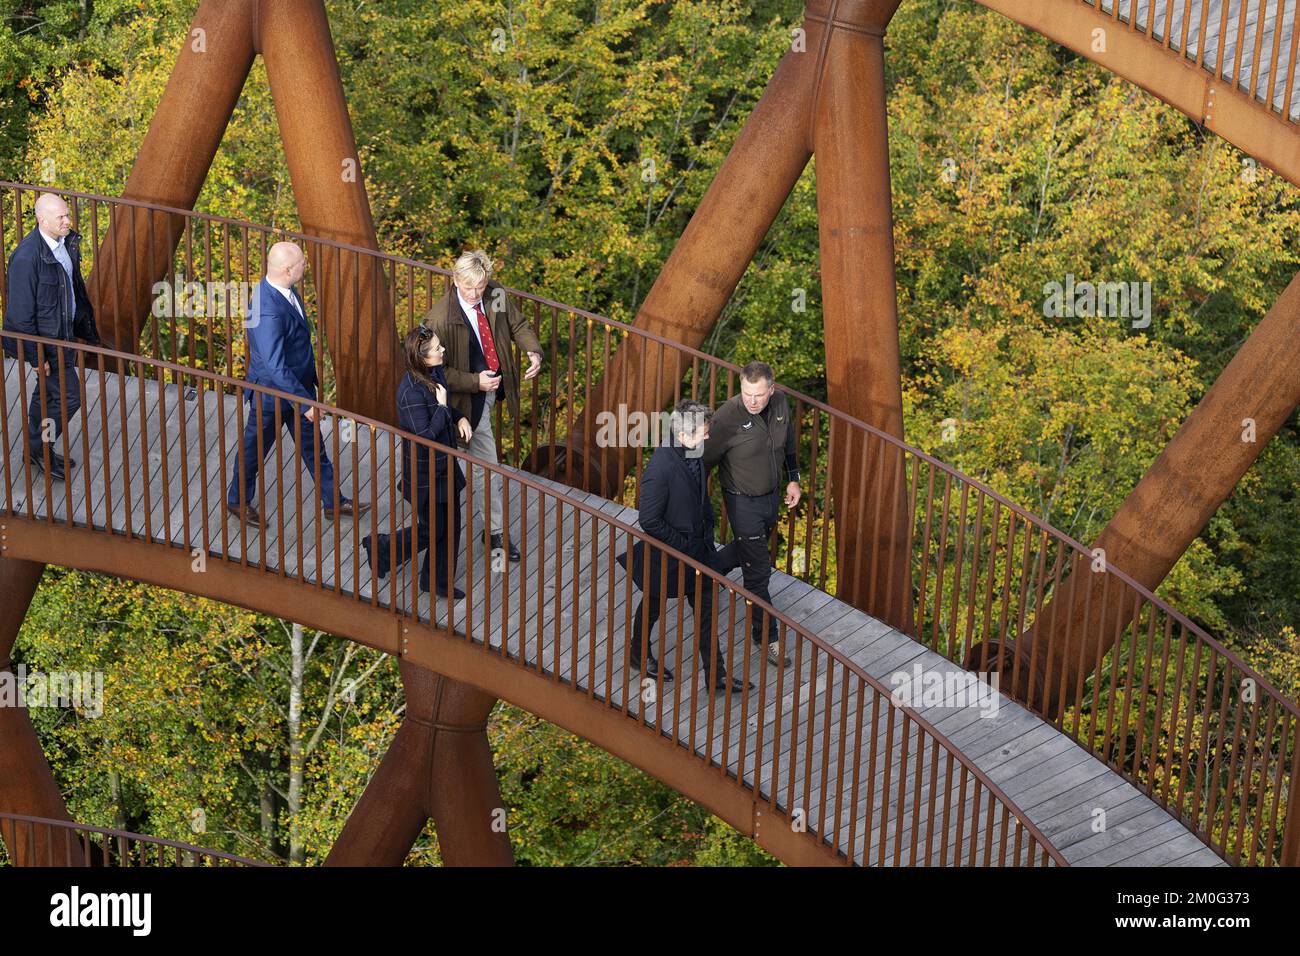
(27, 785)
(1215, 102)
(1170, 506)
(701, 273)
(171, 167)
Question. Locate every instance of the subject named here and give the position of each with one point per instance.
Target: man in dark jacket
(47, 297)
(753, 444)
(478, 325)
(675, 509)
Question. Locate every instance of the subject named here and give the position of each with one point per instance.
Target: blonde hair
(474, 266)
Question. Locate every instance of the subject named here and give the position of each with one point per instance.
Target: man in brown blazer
(477, 324)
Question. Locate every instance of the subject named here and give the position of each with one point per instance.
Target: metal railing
(1250, 44)
(38, 841)
(876, 781)
(1157, 697)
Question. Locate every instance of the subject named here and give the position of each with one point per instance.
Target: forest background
(1015, 163)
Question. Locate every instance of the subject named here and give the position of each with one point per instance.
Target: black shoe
(441, 590)
(56, 470)
(67, 464)
(380, 566)
(652, 665)
(723, 683)
(498, 542)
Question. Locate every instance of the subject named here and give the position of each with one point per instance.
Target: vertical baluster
(1261, 9)
(810, 512)
(1273, 62)
(1290, 63)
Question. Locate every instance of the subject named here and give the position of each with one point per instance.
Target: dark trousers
(62, 390)
(305, 435)
(446, 573)
(646, 616)
(752, 520)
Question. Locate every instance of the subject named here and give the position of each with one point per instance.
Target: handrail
(805, 400)
(630, 330)
(807, 647)
(1247, 97)
(960, 581)
(30, 853)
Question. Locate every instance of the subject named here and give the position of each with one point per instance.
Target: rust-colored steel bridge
(896, 564)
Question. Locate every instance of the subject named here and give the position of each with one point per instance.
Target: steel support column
(354, 304)
(355, 312)
(860, 306)
(702, 271)
(27, 785)
(171, 167)
(439, 765)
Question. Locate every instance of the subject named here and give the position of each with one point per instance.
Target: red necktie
(485, 337)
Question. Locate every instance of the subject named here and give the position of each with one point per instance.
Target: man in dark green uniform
(752, 442)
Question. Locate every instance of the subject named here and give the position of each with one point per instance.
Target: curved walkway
(831, 785)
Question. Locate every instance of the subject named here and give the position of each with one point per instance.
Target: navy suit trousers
(305, 434)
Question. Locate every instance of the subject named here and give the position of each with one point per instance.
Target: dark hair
(756, 372)
(414, 345)
(688, 417)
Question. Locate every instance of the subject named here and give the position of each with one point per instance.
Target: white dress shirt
(472, 315)
(288, 294)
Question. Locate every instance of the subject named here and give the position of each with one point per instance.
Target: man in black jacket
(47, 297)
(675, 509)
(753, 443)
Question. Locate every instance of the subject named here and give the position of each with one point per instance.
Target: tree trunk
(297, 667)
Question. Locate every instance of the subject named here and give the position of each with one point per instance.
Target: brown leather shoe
(247, 514)
(346, 507)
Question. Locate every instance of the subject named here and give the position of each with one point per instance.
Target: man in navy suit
(280, 357)
(47, 296)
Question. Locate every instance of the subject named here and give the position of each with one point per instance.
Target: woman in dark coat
(423, 410)
(675, 509)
